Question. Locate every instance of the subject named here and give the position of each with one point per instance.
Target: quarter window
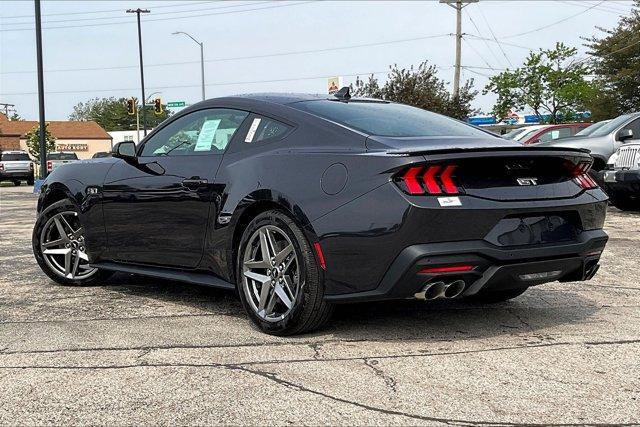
(263, 129)
(198, 133)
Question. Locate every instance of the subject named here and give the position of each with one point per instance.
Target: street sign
(175, 104)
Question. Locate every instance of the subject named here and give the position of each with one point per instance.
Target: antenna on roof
(343, 94)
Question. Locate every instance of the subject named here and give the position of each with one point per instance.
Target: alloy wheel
(271, 273)
(63, 248)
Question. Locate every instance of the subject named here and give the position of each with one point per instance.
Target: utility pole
(43, 147)
(138, 11)
(7, 107)
(458, 5)
(201, 57)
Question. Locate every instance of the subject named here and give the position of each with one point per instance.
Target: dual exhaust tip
(444, 290)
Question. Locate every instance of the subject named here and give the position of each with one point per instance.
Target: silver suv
(604, 141)
(16, 166)
(622, 177)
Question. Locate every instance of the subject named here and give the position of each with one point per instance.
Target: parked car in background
(545, 133)
(603, 142)
(101, 154)
(16, 166)
(592, 128)
(622, 177)
(59, 158)
(515, 133)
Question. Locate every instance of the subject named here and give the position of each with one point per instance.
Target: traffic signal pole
(138, 11)
(42, 136)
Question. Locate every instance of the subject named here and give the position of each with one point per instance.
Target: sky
(90, 49)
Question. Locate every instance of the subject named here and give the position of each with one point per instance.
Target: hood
(436, 143)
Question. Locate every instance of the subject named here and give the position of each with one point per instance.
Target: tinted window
(201, 132)
(15, 156)
(386, 119)
(62, 156)
(264, 129)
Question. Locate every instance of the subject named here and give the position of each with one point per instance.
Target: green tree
(33, 141)
(550, 82)
(616, 65)
(420, 87)
(111, 114)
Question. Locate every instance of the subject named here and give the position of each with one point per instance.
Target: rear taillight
(49, 166)
(581, 176)
(430, 179)
(31, 166)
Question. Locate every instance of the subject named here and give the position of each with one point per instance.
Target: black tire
(55, 208)
(492, 297)
(624, 202)
(309, 310)
(30, 181)
(17, 183)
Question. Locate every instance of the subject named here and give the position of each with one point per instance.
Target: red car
(544, 133)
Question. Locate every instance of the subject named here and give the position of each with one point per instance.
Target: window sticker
(207, 135)
(252, 130)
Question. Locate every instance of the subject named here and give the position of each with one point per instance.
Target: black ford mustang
(299, 202)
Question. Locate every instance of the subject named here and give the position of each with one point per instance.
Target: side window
(263, 129)
(635, 127)
(555, 134)
(198, 133)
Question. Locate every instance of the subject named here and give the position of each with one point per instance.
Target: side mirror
(125, 150)
(625, 134)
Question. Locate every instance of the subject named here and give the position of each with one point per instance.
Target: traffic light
(157, 106)
(131, 106)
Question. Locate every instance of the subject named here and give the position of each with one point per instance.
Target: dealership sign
(72, 147)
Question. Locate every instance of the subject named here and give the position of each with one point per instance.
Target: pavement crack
(388, 379)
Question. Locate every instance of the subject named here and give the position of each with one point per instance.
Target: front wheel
(59, 247)
(279, 281)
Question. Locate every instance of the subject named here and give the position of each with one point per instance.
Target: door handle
(194, 183)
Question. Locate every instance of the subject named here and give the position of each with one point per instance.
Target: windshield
(526, 135)
(590, 129)
(387, 119)
(15, 156)
(62, 156)
(512, 134)
(611, 126)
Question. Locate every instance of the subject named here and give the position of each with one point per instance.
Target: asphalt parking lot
(140, 350)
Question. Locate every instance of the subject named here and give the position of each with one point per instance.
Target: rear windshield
(387, 119)
(15, 156)
(62, 156)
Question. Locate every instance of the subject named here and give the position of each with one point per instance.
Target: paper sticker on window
(207, 135)
(252, 130)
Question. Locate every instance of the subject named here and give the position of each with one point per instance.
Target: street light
(138, 11)
(201, 56)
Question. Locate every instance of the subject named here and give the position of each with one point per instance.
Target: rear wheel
(17, 183)
(30, 180)
(279, 281)
(490, 297)
(624, 202)
(58, 245)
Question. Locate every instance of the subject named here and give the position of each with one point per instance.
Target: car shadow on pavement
(538, 309)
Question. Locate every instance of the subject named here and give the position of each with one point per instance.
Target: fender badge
(92, 190)
(449, 201)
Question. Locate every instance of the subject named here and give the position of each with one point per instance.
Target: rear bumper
(622, 181)
(16, 175)
(494, 267)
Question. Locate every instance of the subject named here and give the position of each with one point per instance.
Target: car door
(157, 208)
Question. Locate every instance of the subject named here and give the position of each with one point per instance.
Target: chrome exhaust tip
(434, 290)
(454, 289)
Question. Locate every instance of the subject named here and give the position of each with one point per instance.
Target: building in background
(127, 135)
(83, 138)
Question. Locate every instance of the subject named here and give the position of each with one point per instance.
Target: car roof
(14, 152)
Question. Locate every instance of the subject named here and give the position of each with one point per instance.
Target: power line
(155, 14)
(494, 36)
(105, 11)
(478, 53)
(603, 8)
(479, 32)
(553, 23)
(199, 15)
(237, 58)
